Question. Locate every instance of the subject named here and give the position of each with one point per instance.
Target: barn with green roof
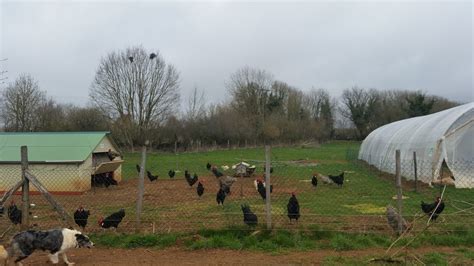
(65, 162)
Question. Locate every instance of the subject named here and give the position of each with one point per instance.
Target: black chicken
(171, 173)
(200, 189)
(109, 180)
(220, 197)
(14, 214)
(152, 55)
(80, 217)
(112, 220)
(191, 180)
(293, 208)
(261, 189)
(151, 177)
(338, 179)
(138, 168)
(250, 218)
(130, 58)
(216, 172)
(208, 166)
(429, 208)
(265, 169)
(112, 154)
(314, 181)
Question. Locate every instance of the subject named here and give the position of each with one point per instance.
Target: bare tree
(85, 119)
(50, 116)
(250, 89)
(196, 106)
(360, 106)
(20, 103)
(136, 89)
(322, 111)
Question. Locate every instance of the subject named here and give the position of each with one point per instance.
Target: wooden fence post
(268, 205)
(141, 187)
(25, 191)
(416, 171)
(399, 190)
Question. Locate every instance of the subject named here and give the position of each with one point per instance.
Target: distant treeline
(135, 95)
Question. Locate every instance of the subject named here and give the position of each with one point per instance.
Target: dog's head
(83, 241)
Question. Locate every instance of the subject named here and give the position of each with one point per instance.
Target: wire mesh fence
(348, 195)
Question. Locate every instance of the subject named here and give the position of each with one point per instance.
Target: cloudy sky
(334, 45)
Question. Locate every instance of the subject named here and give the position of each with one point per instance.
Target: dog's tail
(4, 255)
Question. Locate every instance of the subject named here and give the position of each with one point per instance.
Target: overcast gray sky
(332, 45)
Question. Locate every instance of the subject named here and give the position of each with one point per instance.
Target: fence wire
(171, 204)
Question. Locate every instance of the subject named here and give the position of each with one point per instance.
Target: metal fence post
(268, 205)
(25, 191)
(416, 171)
(141, 185)
(399, 191)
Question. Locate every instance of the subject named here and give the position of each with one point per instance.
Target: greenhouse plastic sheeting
(444, 136)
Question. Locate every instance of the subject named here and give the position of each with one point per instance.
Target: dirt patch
(178, 256)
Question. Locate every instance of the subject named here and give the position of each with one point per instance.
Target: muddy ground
(178, 256)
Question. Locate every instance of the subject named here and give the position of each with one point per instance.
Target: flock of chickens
(225, 182)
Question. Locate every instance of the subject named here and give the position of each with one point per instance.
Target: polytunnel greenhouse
(443, 142)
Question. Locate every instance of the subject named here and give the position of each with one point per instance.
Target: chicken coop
(64, 162)
(443, 141)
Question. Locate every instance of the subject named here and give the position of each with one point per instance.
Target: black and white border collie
(56, 241)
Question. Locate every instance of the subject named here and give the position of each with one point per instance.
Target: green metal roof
(49, 146)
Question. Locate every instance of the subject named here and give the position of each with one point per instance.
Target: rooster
(338, 179)
(314, 181)
(293, 208)
(261, 189)
(259, 180)
(171, 173)
(393, 219)
(112, 220)
(220, 197)
(208, 166)
(216, 172)
(200, 189)
(430, 208)
(151, 176)
(250, 218)
(14, 214)
(80, 217)
(191, 180)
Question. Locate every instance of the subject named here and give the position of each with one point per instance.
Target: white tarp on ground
(447, 135)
